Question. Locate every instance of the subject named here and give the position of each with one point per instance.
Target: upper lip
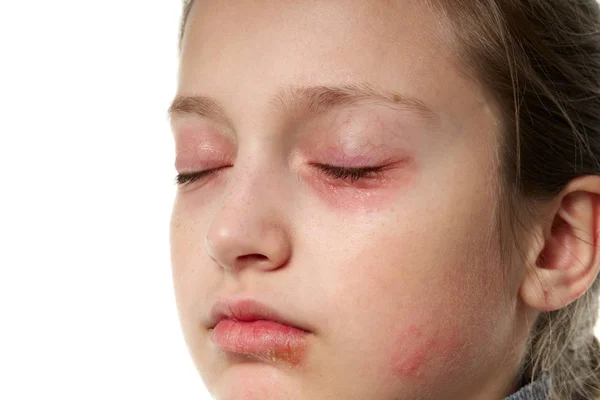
(247, 310)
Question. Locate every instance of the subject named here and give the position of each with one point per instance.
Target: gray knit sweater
(537, 390)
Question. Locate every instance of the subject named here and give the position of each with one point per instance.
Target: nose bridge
(254, 176)
(248, 226)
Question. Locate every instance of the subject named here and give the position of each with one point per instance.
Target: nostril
(248, 260)
(253, 257)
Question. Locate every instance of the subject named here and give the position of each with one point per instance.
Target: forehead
(245, 51)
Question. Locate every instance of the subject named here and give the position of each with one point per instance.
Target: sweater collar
(536, 390)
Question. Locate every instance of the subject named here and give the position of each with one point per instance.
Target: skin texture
(398, 275)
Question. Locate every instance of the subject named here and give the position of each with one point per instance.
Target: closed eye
(336, 172)
(350, 174)
(191, 177)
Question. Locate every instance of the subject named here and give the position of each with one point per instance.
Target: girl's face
(394, 272)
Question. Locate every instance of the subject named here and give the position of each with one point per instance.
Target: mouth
(254, 329)
(248, 310)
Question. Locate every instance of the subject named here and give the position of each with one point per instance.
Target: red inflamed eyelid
(203, 152)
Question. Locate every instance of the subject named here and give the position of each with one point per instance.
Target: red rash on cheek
(415, 353)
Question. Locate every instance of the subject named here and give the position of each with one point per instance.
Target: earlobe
(569, 261)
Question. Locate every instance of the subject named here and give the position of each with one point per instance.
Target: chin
(253, 380)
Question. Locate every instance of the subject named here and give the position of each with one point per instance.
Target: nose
(249, 229)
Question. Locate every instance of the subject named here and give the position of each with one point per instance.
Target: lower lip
(266, 340)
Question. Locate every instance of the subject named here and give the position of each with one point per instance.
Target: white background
(86, 169)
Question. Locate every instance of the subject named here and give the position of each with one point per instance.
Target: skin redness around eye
(201, 149)
(364, 136)
(364, 194)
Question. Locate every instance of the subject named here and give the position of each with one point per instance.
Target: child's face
(396, 274)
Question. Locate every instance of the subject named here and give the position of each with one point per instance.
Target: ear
(569, 260)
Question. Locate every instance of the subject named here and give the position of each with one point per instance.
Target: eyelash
(191, 177)
(335, 172)
(353, 174)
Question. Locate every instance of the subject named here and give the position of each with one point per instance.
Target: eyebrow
(314, 100)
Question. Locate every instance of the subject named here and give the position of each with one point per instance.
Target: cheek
(417, 353)
(188, 218)
(188, 258)
(435, 286)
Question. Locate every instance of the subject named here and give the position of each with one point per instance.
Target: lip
(251, 328)
(248, 310)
